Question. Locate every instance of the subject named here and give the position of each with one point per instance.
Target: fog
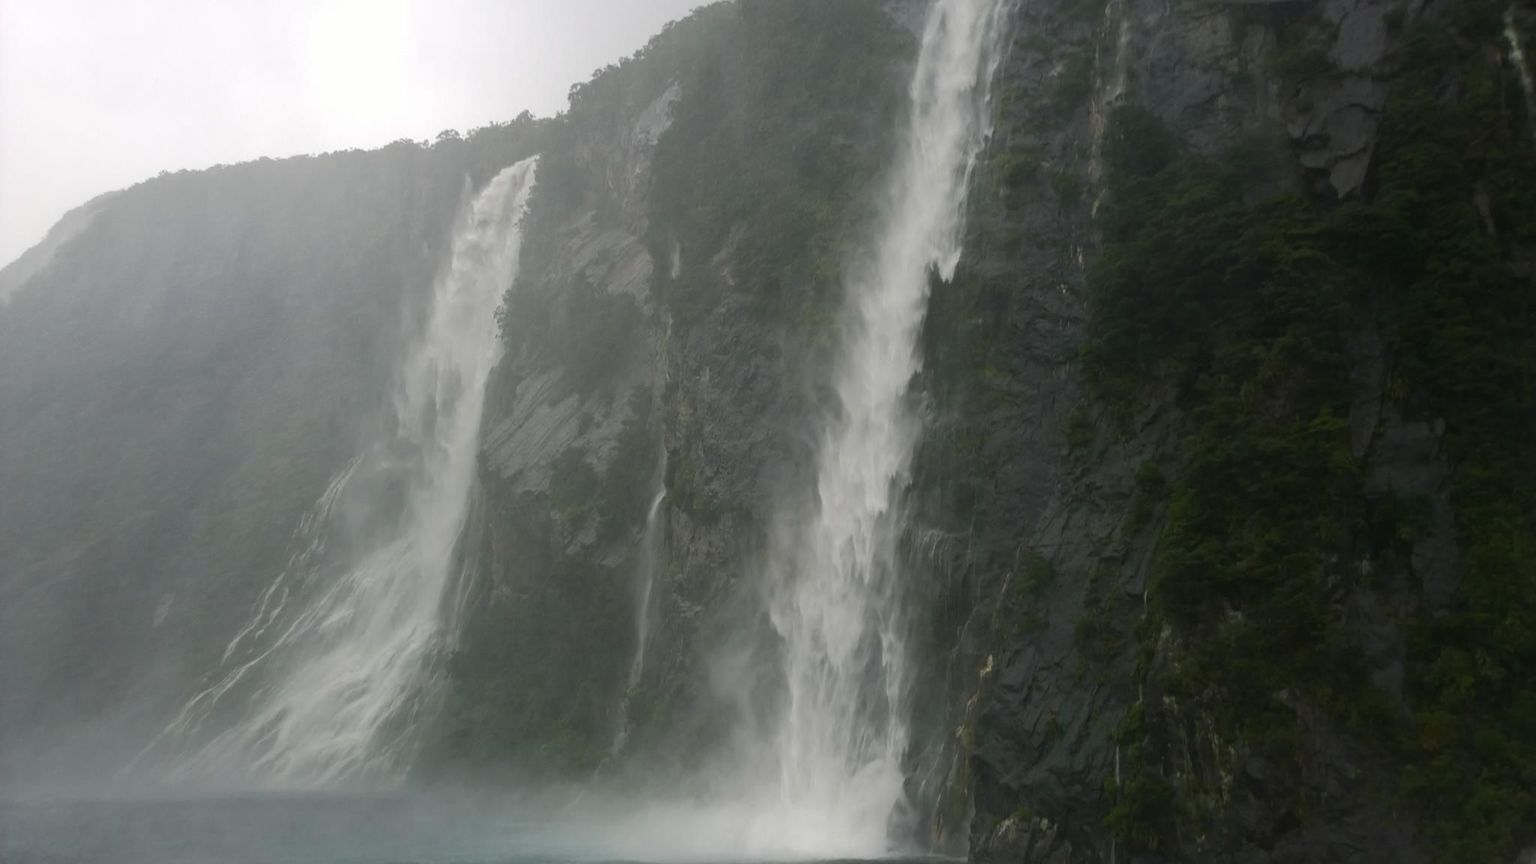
(96, 96)
(507, 825)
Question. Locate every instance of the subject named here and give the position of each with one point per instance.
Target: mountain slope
(179, 381)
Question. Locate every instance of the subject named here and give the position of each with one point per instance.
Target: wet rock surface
(1056, 564)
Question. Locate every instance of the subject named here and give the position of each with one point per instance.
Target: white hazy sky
(98, 94)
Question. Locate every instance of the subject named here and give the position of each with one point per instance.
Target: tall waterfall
(327, 682)
(836, 595)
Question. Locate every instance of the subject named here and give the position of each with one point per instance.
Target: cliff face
(569, 449)
(678, 279)
(1210, 509)
(1222, 530)
(183, 365)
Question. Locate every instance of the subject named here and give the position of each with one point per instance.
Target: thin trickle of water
(327, 683)
(650, 560)
(836, 599)
(1517, 57)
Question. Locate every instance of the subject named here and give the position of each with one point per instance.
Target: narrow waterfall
(836, 597)
(650, 560)
(326, 684)
(1522, 69)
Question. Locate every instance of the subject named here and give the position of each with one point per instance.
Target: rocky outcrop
(546, 412)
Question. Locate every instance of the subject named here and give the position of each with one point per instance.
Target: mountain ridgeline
(1049, 431)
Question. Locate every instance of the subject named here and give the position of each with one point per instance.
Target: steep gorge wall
(1221, 538)
(679, 280)
(1165, 230)
(1199, 484)
(569, 446)
(183, 366)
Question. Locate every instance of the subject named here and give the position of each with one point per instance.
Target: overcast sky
(98, 94)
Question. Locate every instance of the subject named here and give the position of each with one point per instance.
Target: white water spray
(837, 599)
(329, 680)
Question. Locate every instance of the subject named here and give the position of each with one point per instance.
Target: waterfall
(328, 681)
(1517, 58)
(650, 559)
(835, 593)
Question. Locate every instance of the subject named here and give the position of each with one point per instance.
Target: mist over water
(445, 828)
(329, 680)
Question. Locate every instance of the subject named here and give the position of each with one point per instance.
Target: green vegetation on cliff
(1243, 311)
(758, 186)
(783, 125)
(1457, 183)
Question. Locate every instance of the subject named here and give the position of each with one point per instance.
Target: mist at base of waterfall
(448, 828)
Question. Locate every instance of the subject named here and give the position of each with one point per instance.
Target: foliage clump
(1457, 188)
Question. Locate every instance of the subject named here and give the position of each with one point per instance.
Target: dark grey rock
(1337, 131)
(1055, 689)
(1406, 459)
(1363, 40)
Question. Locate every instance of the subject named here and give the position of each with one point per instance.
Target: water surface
(309, 829)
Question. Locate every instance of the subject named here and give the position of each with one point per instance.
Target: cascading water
(836, 599)
(650, 559)
(327, 682)
(1522, 69)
